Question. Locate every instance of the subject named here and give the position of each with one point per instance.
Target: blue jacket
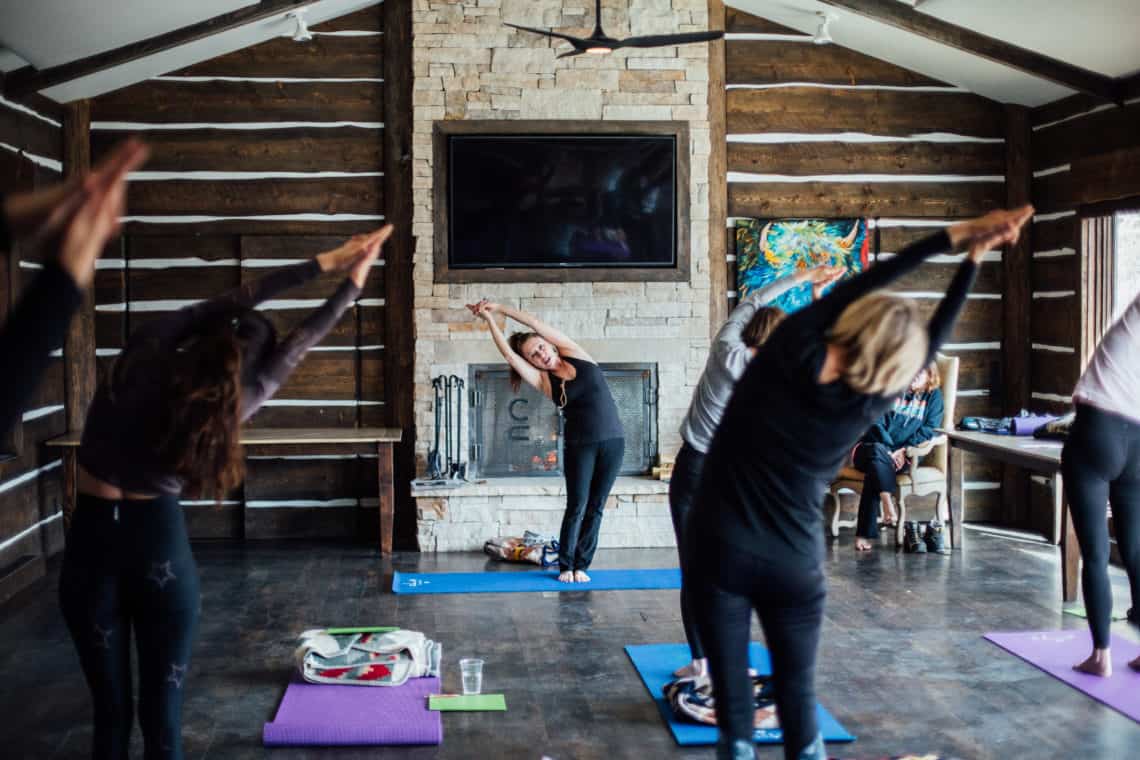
(911, 421)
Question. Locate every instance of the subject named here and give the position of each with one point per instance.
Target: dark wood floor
(903, 664)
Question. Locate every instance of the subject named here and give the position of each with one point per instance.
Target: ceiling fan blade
(570, 53)
(665, 40)
(547, 33)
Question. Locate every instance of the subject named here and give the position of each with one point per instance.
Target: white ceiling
(51, 32)
(1076, 32)
(179, 57)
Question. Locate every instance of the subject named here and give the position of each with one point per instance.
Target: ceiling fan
(599, 44)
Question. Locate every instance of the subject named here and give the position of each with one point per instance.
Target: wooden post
(387, 494)
(399, 342)
(1016, 303)
(79, 345)
(1070, 550)
(954, 468)
(718, 175)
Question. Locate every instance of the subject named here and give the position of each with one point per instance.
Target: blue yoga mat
(655, 664)
(506, 582)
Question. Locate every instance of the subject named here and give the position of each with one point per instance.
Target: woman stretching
(164, 423)
(1100, 464)
(749, 325)
(594, 441)
(881, 454)
(756, 540)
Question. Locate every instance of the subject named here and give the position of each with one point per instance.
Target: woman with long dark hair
(756, 536)
(548, 360)
(167, 422)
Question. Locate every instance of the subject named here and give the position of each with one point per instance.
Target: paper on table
(467, 702)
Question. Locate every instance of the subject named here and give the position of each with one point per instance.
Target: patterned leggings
(128, 565)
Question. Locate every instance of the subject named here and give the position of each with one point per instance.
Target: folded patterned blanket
(367, 659)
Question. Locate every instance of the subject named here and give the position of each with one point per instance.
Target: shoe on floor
(935, 538)
(912, 539)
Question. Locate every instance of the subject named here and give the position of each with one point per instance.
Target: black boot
(935, 538)
(912, 539)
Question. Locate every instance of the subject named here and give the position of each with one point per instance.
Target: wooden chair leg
(835, 507)
(901, 519)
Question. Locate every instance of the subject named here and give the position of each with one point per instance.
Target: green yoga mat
(1082, 612)
(467, 702)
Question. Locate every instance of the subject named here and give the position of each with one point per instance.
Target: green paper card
(467, 702)
(361, 629)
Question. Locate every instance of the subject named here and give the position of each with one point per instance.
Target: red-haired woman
(165, 423)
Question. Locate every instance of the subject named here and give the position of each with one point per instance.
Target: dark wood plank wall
(1075, 145)
(790, 95)
(31, 528)
(263, 157)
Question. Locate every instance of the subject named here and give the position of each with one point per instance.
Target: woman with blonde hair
(881, 455)
(821, 379)
(549, 361)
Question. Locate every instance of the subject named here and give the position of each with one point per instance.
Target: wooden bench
(1043, 457)
(283, 442)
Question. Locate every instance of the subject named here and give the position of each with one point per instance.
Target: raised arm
(563, 342)
(530, 374)
(728, 336)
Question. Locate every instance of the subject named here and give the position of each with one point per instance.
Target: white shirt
(1111, 382)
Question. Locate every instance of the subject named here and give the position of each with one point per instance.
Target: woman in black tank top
(594, 441)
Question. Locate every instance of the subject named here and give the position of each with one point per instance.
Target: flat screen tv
(562, 201)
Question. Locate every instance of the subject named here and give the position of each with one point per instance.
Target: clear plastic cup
(472, 672)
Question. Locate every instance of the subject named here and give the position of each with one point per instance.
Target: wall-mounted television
(591, 203)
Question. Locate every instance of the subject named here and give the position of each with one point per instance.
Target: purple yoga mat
(1056, 652)
(318, 714)
(1028, 425)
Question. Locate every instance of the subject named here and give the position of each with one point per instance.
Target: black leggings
(682, 488)
(590, 470)
(1100, 464)
(874, 460)
(730, 584)
(128, 565)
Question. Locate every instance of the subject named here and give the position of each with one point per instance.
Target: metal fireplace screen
(515, 434)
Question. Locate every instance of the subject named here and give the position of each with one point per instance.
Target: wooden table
(1043, 457)
(282, 442)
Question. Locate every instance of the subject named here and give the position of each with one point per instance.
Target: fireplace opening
(513, 434)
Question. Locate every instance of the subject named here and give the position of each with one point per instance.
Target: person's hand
(995, 228)
(979, 247)
(341, 258)
(366, 253)
(484, 308)
(899, 458)
(821, 277)
(90, 218)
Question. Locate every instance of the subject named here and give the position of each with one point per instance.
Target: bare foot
(694, 669)
(1135, 664)
(581, 577)
(862, 545)
(1098, 664)
(566, 576)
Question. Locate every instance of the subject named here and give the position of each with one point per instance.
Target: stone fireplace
(468, 66)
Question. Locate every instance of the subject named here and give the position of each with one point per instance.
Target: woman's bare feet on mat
(862, 544)
(581, 577)
(1098, 664)
(567, 576)
(694, 669)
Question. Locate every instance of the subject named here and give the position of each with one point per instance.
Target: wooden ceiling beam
(29, 80)
(896, 14)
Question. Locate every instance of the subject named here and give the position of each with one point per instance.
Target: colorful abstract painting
(771, 249)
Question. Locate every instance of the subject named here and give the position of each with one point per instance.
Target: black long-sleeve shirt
(34, 329)
(785, 435)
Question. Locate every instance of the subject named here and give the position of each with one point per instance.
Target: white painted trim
(994, 345)
(29, 530)
(730, 258)
(215, 175)
(825, 86)
(1054, 294)
(320, 402)
(27, 476)
(270, 263)
(206, 502)
(1091, 111)
(24, 109)
(1011, 535)
(767, 37)
(43, 411)
(333, 349)
(174, 304)
(370, 302)
(192, 261)
(854, 137)
(349, 33)
(976, 393)
(263, 79)
(938, 294)
(35, 158)
(1051, 397)
(307, 457)
(1053, 216)
(891, 221)
(30, 265)
(1056, 253)
(139, 126)
(311, 503)
(846, 178)
(980, 485)
(108, 351)
(1052, 170)
(1052, 348)
(947, 258)
(198, 218)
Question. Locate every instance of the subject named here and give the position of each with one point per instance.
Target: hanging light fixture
(823, 33)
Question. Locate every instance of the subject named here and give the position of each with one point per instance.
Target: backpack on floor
(691, 700)
(531, 547)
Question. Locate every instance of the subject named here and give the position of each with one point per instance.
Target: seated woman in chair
(882, 453)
